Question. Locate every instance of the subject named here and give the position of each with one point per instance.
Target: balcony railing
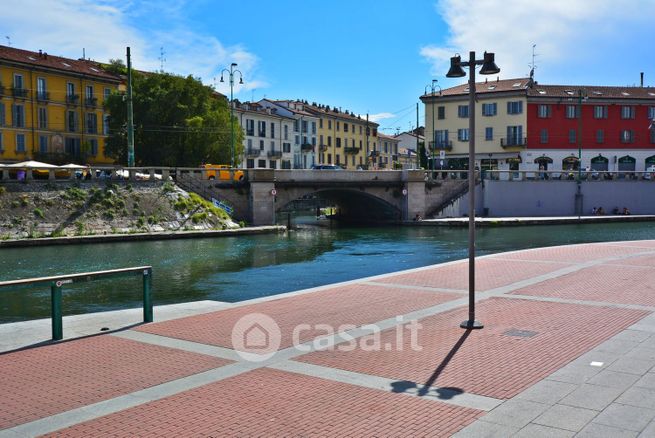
(43, 96)
(274, 154)
(351, 150)
(252, 153)
(91, 101)
(306, 147)
(446, 145)
(374, 154)
(513, 142)
(322, 148)
(250, 132)
(72, 99)
(19, 92)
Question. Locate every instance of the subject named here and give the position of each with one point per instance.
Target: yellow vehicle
(223, 172)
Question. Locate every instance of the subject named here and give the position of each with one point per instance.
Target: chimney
(40, 53)
(642, 79)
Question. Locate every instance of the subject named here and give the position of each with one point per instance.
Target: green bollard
(147, 296)
(55, 308)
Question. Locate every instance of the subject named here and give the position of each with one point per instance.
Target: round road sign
(404, 192)
(273, 192)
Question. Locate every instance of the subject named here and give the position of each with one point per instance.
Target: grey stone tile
(650, 342)
(614, 379)
(646, 381)
(632, 365)
(592, 397)
(642, 352)
(516, 413)
(618, 346)
(595, 430)
(646, 324)
(482, 429)
(625, 417)
(642, 397)
(547, 391)
(539, 431)
(577, 373)
(596, 356)
(649, 432)
(632, 335)
(566, 417)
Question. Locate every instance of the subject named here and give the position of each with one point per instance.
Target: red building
(614, 133)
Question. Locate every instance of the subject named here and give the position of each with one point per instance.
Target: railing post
(147, 297)
(55, 309)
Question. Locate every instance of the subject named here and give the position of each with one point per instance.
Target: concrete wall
(556, 198)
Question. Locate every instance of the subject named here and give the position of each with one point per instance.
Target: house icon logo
(256, 337)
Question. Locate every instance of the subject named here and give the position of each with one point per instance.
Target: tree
(178, 121)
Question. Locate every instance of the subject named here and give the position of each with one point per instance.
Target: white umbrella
(31, 163)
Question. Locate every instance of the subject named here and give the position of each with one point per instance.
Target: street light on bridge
(456, 71)
(434, 132)
(231, 73)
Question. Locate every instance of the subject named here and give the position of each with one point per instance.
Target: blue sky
(366, 56)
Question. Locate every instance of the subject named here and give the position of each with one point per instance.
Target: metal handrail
(57, 282)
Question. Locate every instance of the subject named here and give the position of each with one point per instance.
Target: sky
(371, 57)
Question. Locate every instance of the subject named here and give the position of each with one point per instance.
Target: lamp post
(578, 193)
(231, 73)
(488, 67)
(434, 132)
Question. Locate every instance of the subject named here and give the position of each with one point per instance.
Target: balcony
(2, 90)
(510, 142)
(274, 154)
(322, 148)
(91, 101)
(351, 150)
(252, 153)
(72, 99)
(306, 147)
(19, 92)
(374, 154)
(42, 96)
(250, 132)
(446, 145)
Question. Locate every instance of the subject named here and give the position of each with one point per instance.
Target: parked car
(326, 167)
(223, 172)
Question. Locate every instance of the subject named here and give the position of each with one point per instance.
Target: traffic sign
(442, 154)
(273, 192)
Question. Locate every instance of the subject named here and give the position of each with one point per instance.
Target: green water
(240, 268)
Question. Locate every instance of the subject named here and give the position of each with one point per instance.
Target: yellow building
(51, 108)
(344, 138)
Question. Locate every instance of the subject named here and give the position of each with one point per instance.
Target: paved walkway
(568, 349)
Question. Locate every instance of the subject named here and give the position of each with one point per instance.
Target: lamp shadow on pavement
(444, 393)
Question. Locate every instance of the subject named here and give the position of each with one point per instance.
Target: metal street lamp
(488, 67)
(434, 132)
(231, 73)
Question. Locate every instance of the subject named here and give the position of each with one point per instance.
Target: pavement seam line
(424, 288)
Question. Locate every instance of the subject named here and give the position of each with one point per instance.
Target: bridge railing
(567, 175)
(57, 283)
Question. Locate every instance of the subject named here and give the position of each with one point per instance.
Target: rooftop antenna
(8, 41)
(161, 59)
(533, 65)
(83, 53)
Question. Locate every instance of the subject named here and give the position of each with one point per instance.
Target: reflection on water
(239, 268)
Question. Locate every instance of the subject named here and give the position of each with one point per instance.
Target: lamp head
(489, 67)
(234, 64)
(241, 80)
(221, 79)
(456, 70)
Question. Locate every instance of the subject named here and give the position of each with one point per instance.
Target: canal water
(240, 268)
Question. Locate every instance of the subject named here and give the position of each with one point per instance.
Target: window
(360, 130)
(40, 89)
(250, 163)
(651, 112)
(18, 116)
(600, 136)
(93, 146)
(20, 142)
(43, 144)
(89, 92)
(249, 143)
(250, 127)
(515, 107)
(107, 93)
(572, 135)
(272, 164)
(345, 127)
(463, 111)
(272, 145)
(286, 147)
(627, 136)
(652, 137)
(515, 136)
(272, 130)
(304, 126)
(261, 128)
(91, 123)
(338, 142)
(571, 112)
(338, 159)
(2, 114)
(543, 136)
(329, 124)
(329, 158)
(261, 164)
(313, 141)
(543, 111)
(463, 134)
(321, 139)
(320, 123)
(441, 137)
(43, 118)
(314, 128)
(489, 133)
(105, 125)
(2, 148)
(441, 112)
(627, 112)
(286, 132)
(286, 164)
(329, 140)
(18, 82)
(600, 112)
(70, 89)
(296, 126)
(261, 145)
(489, 109)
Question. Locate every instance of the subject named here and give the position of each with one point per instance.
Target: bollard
(55, 309)
(147, 296)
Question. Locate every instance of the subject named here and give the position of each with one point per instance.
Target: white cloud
(380, 116)
(571, 35)
(104, 28)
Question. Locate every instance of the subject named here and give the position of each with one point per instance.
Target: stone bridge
(370, 196)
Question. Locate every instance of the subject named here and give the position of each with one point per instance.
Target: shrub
(39, 213)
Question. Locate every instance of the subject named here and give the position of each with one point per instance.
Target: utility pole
(130, 115)
(418, 155)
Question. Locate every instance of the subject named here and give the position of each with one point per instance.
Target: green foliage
(242, 224)
(140, 222)
(197, 122)
(74, 194)
(80, 227)
(168, 187)
(2, 190)
(24, 201)
(15, 204)
(57, 233)
(39, 213)
(199, 217)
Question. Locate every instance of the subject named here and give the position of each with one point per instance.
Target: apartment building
(388, 151)
(268, 137)
(51, 108)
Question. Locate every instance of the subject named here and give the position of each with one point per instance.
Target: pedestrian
(594, 211)
(626, 211)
